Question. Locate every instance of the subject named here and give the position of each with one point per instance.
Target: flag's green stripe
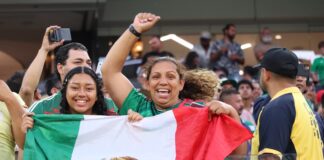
(53, 137)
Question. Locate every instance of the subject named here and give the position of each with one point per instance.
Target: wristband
(133, 30)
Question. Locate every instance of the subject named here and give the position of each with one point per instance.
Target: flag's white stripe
(105, 137)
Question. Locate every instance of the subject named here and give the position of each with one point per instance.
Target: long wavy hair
(99, 107)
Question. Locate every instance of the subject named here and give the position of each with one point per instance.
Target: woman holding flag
(164, 79)
(81, 95)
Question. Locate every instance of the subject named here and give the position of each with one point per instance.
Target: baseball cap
(205, 35)
(225, 81)
(302, 71)
(280, 61)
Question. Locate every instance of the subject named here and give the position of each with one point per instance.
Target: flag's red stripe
(200, 139)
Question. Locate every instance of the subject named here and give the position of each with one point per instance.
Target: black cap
(280, 61)
(228, 81)
(302, 71)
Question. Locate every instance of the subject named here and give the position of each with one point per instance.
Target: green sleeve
(135, 101)
(111, 105)
(314, 66)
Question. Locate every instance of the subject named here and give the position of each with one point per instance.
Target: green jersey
(51, 105)
(318, 67)
(139, 103)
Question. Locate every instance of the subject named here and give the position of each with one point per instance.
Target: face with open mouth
(164, 84)
(81, 94)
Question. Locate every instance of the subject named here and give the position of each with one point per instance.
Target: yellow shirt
(7, 143)
(287, 127)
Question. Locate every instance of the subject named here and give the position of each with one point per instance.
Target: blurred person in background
(228, 53)
(228, 84)
(203, 49)
(265, 43)
(301, 82)
(257, 91)
(221, 72)
(156, 48)
(233, 98)
(245, 88)
(317, 68)
(52, 85)
(192, 61)
(250, 73)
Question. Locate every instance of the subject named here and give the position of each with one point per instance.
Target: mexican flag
(184, 133)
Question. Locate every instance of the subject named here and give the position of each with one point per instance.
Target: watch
(133, 30)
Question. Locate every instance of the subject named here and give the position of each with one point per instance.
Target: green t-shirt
(51, 105)
(139, 103)
(318, 67)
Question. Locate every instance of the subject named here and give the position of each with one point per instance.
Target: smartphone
(58, 34)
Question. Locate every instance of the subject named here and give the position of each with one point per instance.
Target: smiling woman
(81, 93)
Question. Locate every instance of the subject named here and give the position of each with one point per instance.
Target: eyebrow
(77, 83)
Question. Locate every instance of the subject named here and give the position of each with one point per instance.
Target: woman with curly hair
(200, 84)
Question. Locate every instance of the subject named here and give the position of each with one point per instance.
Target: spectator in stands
(81, 94)
(228, 53)
(192, 60)
(264, 44)
(221, 72)
(67, 57)
(156, 48)
(233, 98)
(53, 85)
(286, 124)
(10, 112)
(164, 78)
(203, 49)
(228, 84)
(200, 84)
(257, 91)
(317, 68)
(301, 82)
(250, 73)
(245, 89)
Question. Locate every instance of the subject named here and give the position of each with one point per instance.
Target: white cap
(205, 34)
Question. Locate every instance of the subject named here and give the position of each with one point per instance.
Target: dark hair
(51, 82)
(253, 72)
(147, 55)
(15, 81)
(180, 67)
(320, 44)
(156, 36)
(62, 53)
(218, 68)
(244, 81)
(189, 61)
(226, 93)
(227, 27)
(99, 107)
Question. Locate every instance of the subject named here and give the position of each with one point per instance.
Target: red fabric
(319, 95)
(200, 139)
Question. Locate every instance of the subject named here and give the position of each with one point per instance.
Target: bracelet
(133, 30)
